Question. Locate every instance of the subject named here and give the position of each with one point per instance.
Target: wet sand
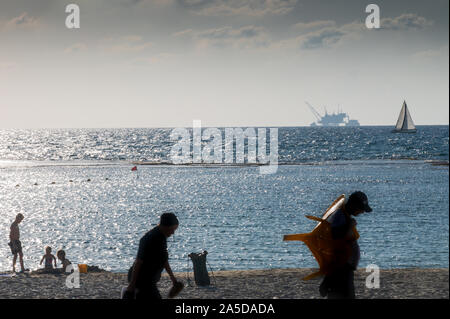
(251, 284)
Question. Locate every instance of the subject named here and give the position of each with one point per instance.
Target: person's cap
(359, 200)
(168, 219)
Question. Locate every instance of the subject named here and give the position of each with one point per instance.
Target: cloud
(319, 34)
(183, 33)
(407, 21)
(326, 34)
(132, 2)
(238, 7)
(131, 43)
(24, 21)
(322, 38)
(246, 37)
(431, 54)
(314, 25)
(312, 35)
(230, 33)
(128, 3)
(76, 47)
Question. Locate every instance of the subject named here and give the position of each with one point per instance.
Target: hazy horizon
(228, 63)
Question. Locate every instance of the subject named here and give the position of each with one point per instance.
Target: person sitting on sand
(152, 258)
(340, 283)
(49, 258)
(61, 254)
(15, 244)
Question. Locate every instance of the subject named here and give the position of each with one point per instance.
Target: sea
(77, 191)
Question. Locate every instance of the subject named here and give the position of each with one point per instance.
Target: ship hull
(335, 125)
(404, 131)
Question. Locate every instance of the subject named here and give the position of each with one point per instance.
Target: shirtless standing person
(15, 244)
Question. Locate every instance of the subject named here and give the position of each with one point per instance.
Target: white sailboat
(405, 123)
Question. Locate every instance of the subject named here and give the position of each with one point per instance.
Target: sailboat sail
(408, 123)
(405, 122)
(401, 118)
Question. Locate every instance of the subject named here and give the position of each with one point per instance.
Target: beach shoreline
(400, 283)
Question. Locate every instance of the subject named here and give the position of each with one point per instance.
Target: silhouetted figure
(15, 244)
(61, 255)
(339, 284)
(152, 258)
(49, 259)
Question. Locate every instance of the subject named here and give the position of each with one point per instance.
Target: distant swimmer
(15, 244)
(339, 284)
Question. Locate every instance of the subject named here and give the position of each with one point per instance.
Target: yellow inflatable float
(329, 252)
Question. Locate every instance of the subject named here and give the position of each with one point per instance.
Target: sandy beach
(254, 284)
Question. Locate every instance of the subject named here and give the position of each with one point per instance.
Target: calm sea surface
(238, 215)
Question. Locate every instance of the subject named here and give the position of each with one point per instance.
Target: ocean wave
(43, 164)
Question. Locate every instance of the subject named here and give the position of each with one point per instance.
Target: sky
(165, 63)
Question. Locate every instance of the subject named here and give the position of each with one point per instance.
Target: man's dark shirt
(153, 252)
(340, 225)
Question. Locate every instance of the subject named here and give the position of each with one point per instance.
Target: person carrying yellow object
(339, 283)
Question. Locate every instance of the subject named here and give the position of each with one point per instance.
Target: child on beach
(49, 258)
(61, 254)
